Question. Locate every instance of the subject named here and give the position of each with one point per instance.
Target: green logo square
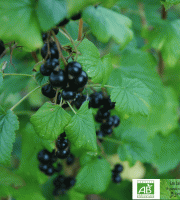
(145, 189)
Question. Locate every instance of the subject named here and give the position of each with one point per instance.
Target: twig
(18, 75)
(80, 30)
(57, 91)
(34, 55)
(71, 107)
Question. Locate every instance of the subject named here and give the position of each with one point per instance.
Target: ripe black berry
(68, 94)
(79, 101)
(100, 134)
(70, 182)
(62, 154)
(59, 181)
(2, 47)
(58, 168)
(51, 63)
(43, 167)
(74, 69)
(56, 31)
(63, 135)
(116, 178)
(107, 131)
(103, 114)
(76, 16)
(108, 104)
(70, 159)
(63, 22)
(44, 156)
(118, 168)
(44, 71)
(95, 100)
(48, 91)
(58, 79)
(116, 120)
(53, 156)
(108, 124)
(44, 36)
(58, 98)
(53, 50)
(61, 143)
(50, 171)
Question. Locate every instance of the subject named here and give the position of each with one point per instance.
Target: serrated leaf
(50, 13)
(169, 3)
(106, 24)
(8, 125)
(81, 129)
(98, 69)
(1, 78)
(131, 97)
(135, 146)
(24, 28)
(94, 177)
(9, 178)
(73, 195)
(49, 121)
(41, 79)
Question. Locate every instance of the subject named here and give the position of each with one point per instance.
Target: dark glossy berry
(58, 98)
(62, 154)
(48, 91)
(44, 50)
(44, 156)
(59, 167)
(100, 135)
(74, 69)
(103, 114)
(51, 63)
(2, 47)
(118, 168)
(70, 159)
(50, 171)
(116, 120)
(44, 36)
(81, 80)
(108, 124)
(63, 135)
(107, 131)
(53, 156)
(95, 100)
(61, 143)
(108, 104)
(63, 22)
(58, 79)
(43, 167)
(79, 101)
(76, 16)
(44, 71)
(70, 182)
(116, 178)
(68, 94)
(53, 50)
(59, 181)
(56, 31)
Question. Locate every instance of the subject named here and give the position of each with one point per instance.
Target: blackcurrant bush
(61, 143)
(44, 36)
(116, 120)
(95, 100)
(58, 79)
(56, 31)
(74, 69)
(44, 71)
(48, 91)
(62, 154)
(63, 22)
(108, 104)
(70, 182)
(76, 16)
(118, 168)
(2, 47)
(44, 156)
(68, 94)
(116, 178)
(70, 159)
(79, 101)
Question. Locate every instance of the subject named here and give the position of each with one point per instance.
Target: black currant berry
(62, 154)
(107, 131)
(43, 167)
(108, 104)
(58, 79)
(62, 143)
(50, 171)
(63, 22)
(63, 135)
(68, 94)
(48, 91)
(100, 134)
(118, 168)
(70, 182)
(44, 71)
(2, 47)
(58, 98)
(53, 156)
(59, 181)
(59, 167)
(44, 36)
(76, 16)
(108, 124)
(116, 120)
(53, 50)
(95, 100)
(74, 69)
(51, 63)
(116, 178)
(56, 31)
(70, 159)
(103, 114)
(79, 101)
(44, 156)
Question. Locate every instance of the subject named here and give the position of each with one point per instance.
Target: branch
(34, 55)
(80, 32)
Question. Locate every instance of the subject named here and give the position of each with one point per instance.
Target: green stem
(111, 140)
(18, 75)
(71, 107)
(25, 112)
(24, 98)
(99, 85)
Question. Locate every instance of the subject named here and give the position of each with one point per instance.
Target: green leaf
(19, 22)
(1, 78)
(98, 69)
(165, 37)
(106, 24)
(81, 129)
(41, 79)
(73, 195)
(132, 97)
(9, 178)
(169, 3)
(50, 13)
(49, 121)
(8, 125)
(135, 146)
(93, 178)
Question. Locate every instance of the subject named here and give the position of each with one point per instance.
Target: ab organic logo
(145, 189)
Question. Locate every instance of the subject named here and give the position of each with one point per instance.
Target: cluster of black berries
(2, 47)
(66, 20)
(116, 178)
(48, 160)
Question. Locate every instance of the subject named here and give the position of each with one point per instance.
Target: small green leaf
(19, 23)
(8, 125)
(169, 3)
(9, 178)
(132, 97)
(81, 129)
(50, 13)
(106, 24)
(49, 121)
(41, 79)
(94, 177)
